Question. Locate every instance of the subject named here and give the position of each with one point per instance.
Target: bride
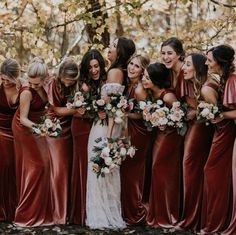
(103, 206)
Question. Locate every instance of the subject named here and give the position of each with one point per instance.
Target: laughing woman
(133, 169)
(59, 91)
(9, 101)
(217, 194)
(164, 202)
(32, 155)
(92, 76)
(197, 140)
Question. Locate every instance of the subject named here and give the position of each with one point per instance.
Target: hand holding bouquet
(109, 154)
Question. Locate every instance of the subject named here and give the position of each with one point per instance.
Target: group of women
(173, 181)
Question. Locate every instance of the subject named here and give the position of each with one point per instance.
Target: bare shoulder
(169, 98)
(26, 95)
(140, 92)
(115, 75)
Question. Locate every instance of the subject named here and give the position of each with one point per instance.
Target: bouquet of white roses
(48, 127)
(154, 114)
(207, 112)
(109, 154)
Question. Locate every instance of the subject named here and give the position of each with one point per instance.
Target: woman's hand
(218, 119)
(102, 115)
(191, 114)
(162, 128)
(80, 112)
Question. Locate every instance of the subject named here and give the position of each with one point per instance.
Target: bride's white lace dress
(103, 205)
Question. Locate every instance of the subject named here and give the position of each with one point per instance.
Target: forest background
(55, 29)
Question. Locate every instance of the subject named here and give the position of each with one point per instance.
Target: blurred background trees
(55, 29)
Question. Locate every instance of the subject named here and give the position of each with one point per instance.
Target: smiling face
(7, 82)
(213, 66)
(146, 81)
(188, 68)
(112, 52)
(169, 56)
(35, 83)
(94, 69)
(135, 69)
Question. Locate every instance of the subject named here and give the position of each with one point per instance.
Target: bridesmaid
(164, 202)
(59, 90)
(172, 54)
(197, 140)
(216, 210)
(32, 155)
(92, 75)
(133, 169)
(9, 101)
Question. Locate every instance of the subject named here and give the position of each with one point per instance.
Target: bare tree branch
(223, 4)
(21, 13)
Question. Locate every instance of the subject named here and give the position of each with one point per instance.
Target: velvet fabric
(80, 128)
(32, 169)
(8, 197)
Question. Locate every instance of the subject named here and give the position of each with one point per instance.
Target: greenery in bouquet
(47, 127)
(109, 154)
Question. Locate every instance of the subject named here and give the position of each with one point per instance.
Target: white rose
(122, 151)
(105, 152)
(131, 151)
(142, 105)
(159, 102)
(205, 112)
(78, 103)
(69, 105)
(105, 170)
(48, 123)
(108, 106)
(108, 161)
(100, 102)
(36, 130)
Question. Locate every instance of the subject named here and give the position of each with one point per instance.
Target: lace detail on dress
(103, 205)
(112, 88)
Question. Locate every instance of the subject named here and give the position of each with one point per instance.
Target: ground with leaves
(72, 229)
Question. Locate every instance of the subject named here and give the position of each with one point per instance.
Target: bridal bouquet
(114, 105)
(117, 106)
(48, 127)
(154, 114)
(109, 154)
(206, 112)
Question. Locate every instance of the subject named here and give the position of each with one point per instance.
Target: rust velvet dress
(7, 159)
(164, 203)
(197, 145)
(133, 172)
(80, 129)
(61, 156)
(230, 99)
(218, 171)
(32, 169)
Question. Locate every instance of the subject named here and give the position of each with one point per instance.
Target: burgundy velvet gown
(8, 197)
(61, 157)
(133, 172)
(32, 169)
(230, 99)
(164, 203)
(197, 145)
(216, 210)
(80, 128)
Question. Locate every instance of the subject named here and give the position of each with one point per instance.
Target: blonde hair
(11, 69)
(37, 68)
(69, 69)
(144, 61)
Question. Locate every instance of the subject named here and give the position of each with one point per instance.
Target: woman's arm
(209, 95)
(63, 111)
(25, 99)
